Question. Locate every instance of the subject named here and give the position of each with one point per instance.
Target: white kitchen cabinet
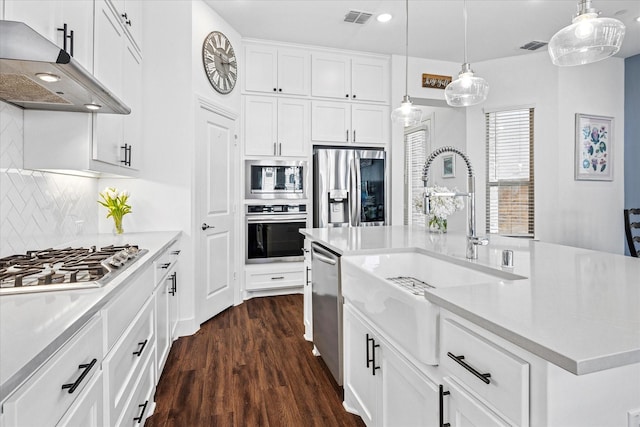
(355, 78)
(166, 300)
(277, 70)
(379, 384)
(118, 65)
(308, 291)
(140, 404)
(273, 276)
(88, 409)
(348, 123)
(464, 410)
(59, 382)
(49, 17)
(275, 126)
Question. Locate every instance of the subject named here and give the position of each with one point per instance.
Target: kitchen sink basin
(389, 289)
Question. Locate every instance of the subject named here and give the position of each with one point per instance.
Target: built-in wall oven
(272, 233)
(275, 179)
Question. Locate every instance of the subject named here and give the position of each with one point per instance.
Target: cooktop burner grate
(68, 268)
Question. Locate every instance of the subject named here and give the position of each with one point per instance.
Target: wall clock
(219, 60)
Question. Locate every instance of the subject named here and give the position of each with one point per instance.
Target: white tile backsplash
(38, 209)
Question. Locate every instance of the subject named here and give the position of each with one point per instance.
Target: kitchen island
(574, 309)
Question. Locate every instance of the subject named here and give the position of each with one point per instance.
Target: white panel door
(330, 121)
(370, 124)
(466, 411)
(216, 164)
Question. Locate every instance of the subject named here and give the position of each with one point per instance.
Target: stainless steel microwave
(275, 179)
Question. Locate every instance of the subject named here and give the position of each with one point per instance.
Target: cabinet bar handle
(141, 416)
(275, 150)
(87, 367)
(347, 135)
(354, 135)
(143, 345)
(441, 405)
(277, 278)
(174, 283)
(64, 36)
(373, 358)
(165, 265)
(460, 360)
(175, 252)
(307, 272)
(368, 356)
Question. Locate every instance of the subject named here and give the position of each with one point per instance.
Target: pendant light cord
(406, 51)
(464, 13)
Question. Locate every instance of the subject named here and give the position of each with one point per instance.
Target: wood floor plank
(249, 366)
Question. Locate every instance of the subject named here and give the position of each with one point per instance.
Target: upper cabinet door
(370, 79)
(293, 72)
(260, 125)
(370, 124)
(261, 69)
(330, 76)
(330, 121)
(293, 127)
(275, 70)
(49, 17)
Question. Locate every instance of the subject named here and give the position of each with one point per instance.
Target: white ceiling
(496, 28)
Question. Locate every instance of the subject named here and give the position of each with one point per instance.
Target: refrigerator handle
(354, 200)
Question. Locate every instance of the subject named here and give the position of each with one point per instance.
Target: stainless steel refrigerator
(349, 187)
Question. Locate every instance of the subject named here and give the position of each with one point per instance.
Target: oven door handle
(275, 219)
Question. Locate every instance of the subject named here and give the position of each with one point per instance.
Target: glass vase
(117, 225)
(438, 225)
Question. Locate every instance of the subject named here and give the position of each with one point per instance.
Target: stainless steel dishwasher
(326, 301)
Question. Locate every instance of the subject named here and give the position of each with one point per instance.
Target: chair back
(632, 230)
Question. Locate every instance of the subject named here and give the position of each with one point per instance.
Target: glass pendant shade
(588, 39)
(406, 114)
(467, 89)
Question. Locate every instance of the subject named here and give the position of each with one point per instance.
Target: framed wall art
(448, 166)
(594, 146)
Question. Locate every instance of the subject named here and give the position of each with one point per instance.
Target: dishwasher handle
(319, 253)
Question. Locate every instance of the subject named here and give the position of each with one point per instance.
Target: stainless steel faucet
(473, 241)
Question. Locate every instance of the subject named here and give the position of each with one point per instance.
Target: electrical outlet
(79, 227)
(633, 418)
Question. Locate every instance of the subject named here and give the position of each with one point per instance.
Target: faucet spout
(473, 241)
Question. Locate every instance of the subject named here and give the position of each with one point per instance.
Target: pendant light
(588, 39)
(467, 89)
(406, 114)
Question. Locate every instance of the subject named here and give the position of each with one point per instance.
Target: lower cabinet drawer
(140, 406)
(498, 377)
(123, 364)
(44, 399)
(88, 409)
(274, 280)
(120, 312)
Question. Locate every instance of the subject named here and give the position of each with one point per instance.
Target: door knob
(205, 226)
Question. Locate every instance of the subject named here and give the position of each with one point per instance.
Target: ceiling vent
(357, 17)
(534, 45)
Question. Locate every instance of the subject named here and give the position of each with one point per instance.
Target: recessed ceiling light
(93, 106)
(384, 17)
(48, 77)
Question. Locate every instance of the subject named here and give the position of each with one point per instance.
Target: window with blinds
(416, 148)
(510, 183)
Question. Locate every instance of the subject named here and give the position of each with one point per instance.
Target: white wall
(576, 213)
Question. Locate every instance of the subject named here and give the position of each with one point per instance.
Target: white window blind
(510, 181)
(416, 148)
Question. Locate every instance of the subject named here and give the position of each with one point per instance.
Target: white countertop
(34, 325)
(578, 309)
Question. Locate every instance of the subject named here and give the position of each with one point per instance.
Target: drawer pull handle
(165, 265)
(142, 344)
(441, 401)
(277, 278)
(174, 283)
(175, 252)
(141, 416)
(87, 367)
(460, 360)
(369, 360)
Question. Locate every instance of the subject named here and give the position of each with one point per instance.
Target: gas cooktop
(64, 269)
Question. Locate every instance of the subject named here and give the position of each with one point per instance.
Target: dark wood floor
(249, 366)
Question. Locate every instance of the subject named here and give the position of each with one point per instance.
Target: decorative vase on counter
(437, 224)
(117, 206)
(117, 225)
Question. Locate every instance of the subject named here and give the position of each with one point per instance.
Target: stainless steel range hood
(27, 59)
